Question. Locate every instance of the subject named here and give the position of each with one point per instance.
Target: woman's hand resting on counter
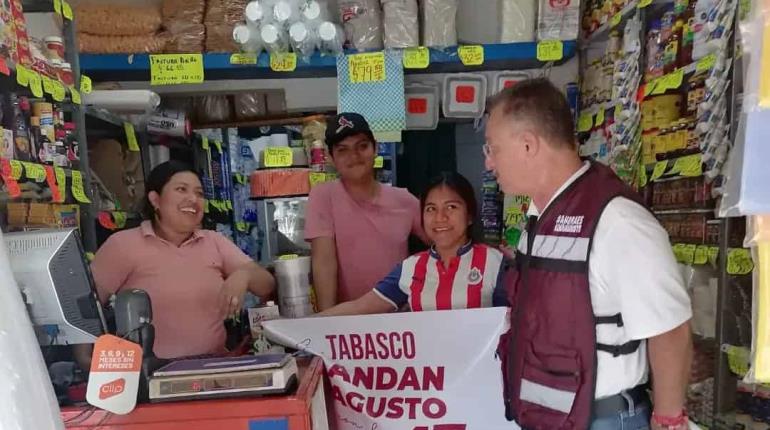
(250, 277)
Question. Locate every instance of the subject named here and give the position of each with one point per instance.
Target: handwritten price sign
(283, 62)
(416, 58)
(739, 262)
(550, 50)
(366, 67)
(279, 157)
(174, 69)
(471, 55)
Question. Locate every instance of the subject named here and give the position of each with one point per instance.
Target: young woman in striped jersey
(456, 273)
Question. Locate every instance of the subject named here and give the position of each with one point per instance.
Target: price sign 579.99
(172, 69)
(367, 67)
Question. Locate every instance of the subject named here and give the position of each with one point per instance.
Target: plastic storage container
(503, 80)
(464, 95)
(422, 106)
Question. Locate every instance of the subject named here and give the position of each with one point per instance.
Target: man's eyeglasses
(487, 150)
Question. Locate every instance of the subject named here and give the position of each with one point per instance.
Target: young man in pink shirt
(358, 228)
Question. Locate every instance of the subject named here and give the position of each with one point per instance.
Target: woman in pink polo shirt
(195, 278)
(455, 273)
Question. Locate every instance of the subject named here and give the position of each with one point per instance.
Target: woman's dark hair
(460, 185)
(159, 177)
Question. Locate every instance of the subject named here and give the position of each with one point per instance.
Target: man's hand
(233, 291)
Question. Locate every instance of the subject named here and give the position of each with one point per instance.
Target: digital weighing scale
(253, 375)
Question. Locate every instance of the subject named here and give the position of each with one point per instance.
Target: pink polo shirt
(371, 236)
(183, 283)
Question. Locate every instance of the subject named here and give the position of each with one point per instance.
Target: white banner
(408, 371)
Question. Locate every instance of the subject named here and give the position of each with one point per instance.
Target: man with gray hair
(597, 299)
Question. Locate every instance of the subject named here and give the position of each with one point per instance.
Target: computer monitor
(56, 284)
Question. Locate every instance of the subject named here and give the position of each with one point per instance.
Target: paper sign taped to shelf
(400, 366)
(77, 187)
(57, 6)
(35, 84)
(283, 61)
(616, 20)
(133, 145)
(66, 10)
(659, 170)
(706, 63)
(471, 55)
(243, 59)
(86, 86)
(17, 169)
(317, 178)
(174, 69)
(59, 92)
(585, 122)
(701, 254)
(379, 162)
(61, 181)
(550, 50)
(75, 96)
(689, 166)
(11, 186)
(739, 262)
(22, 75)
(105, 220)
(366, 67)
(33, 171)
(416, 58)
(278, 157)
(47, 85)
(120, 219)
(114, 378)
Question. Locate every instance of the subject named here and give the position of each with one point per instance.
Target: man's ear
(532, 143)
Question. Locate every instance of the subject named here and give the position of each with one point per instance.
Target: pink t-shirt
(183, 283)
(371, 237)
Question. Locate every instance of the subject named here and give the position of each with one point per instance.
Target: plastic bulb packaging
(439, 29)
(362, 21)
(330, 38)
(274, 38)
(286, 12)
(257, 11)
(247, 38)
(303, 40)
(314, 12)
(400, 22)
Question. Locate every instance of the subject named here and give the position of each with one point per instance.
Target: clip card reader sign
(114, 379)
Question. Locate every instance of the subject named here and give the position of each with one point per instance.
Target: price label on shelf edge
(701, 254)
(66, 10)
(77, 187)
(36, 84)
(86, 86)
(61, 181)
(369, 67)
(22, 76)
(659, 170)
(133, 145)
(243, 59)
(283, 62)
(176, 69)
(689, 166)
(471, 55)
(75, 96)
(59, 92)
(585, 122)
(550, 50)
(416, 58)
(706, 63)
(739, 262)
(278, 157)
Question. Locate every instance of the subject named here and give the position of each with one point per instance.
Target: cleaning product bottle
(317, 156)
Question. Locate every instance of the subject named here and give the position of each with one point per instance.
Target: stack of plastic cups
(331, 38)
(248, 38)
(303, 39)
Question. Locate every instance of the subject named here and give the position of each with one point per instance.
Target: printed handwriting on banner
(367, 67)
(173, 69)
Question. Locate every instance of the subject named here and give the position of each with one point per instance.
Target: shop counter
(303, 410)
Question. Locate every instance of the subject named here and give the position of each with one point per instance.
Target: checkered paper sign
(380, 101)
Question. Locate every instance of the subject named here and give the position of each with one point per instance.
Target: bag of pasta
(187, 11)
(150, 44)
(117, 20)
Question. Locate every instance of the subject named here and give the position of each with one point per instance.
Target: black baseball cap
(345, 125)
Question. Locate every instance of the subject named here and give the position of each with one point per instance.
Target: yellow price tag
(119, 218)
(471, 55)
(643, 179)
(86, 86)
(133, 145)
(650, 87)
(22, 75)
(688, 254)
(59, 92)
(677, 248)
(379, 161)
(278, 157)
(77, 187)
(317, 178)
(288, 257)
(34, 171)
(66, 10)
(643, 4)
(659, 170)
(366, 67)
(35, 84)
(550, 50)
(659, 87)
(615, 20)
(174, 69)
(701, 254)
(416, 58)
(47, 84)
(16, 169)
(57, 6)
(764, 80)
(739, 262)
(689, 166)
(241, 226)
(243, 59)
(713, 255)
(706, 63)
(205, 143)
(61, 181)
(600, 116)
(218, 145)
(283, 62)
(671, 81)
(75, 96)
(585, 122)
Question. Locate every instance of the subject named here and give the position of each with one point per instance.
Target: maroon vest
(549, 355)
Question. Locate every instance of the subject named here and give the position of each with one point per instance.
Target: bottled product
(317, 156)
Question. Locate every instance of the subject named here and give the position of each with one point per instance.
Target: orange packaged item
(117, 20)
(280, 183)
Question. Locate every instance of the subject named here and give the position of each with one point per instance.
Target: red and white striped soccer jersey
(470, 280)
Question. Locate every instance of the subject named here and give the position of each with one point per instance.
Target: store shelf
(105, 116)
(594, 109)
(284, 119)
(136, 67)
(687, 211)
(616, 22)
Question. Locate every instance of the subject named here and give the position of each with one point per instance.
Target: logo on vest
(569, 224)
(475, 276)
